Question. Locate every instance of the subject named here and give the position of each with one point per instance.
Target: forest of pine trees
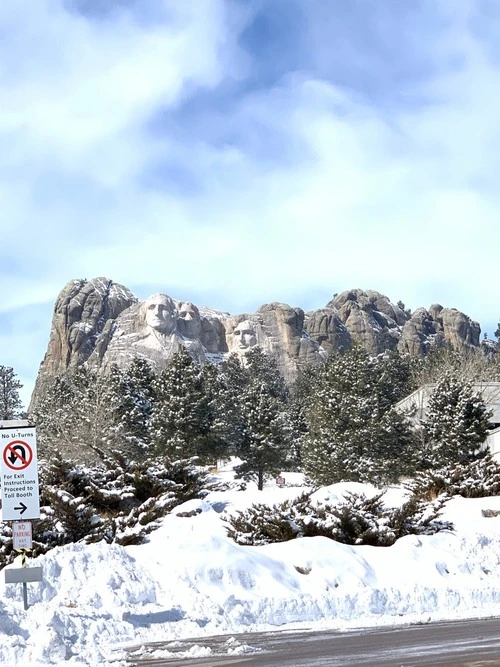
(119, 451)
(338, 423)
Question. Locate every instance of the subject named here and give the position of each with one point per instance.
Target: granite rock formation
(81, 313)
(101, 323)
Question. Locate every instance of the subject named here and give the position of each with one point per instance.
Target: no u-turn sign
(19, 473)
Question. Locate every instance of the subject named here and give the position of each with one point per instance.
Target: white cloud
(301, 186)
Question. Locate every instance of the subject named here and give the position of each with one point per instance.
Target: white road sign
(19, 473)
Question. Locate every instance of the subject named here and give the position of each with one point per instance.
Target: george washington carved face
(161, 314)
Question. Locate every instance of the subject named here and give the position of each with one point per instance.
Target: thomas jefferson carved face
(161, 313)
(189, 322)
(245, 335)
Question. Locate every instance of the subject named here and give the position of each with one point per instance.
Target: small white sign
(19, 473)
(22, 535)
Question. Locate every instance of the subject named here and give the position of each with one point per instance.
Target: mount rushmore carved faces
(160, 313)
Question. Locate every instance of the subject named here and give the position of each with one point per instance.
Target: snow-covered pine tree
(218, 444)
(10, 402)
(254, 401)
(353, 432)
(180, 416)
(264, 436)
(263, 367)
(395, 377)
(134, 387)
(54, 418)
(77, 414)
(456, 423)
(233, 378)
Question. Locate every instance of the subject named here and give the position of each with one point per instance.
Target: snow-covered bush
(356, 520)
(119, 501)
(476, 479)
(264, 524)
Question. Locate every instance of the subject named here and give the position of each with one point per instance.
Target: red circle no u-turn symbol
(17, 455)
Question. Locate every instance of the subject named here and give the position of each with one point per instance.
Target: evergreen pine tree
(10, 402)
(395, 377)
(77, 414)
(134, 388)
(254, 397)
(262, 367)
(264, 441)
(354, 434)
(54, 419)
(180, 416)
(456, 423)
(232, 378)
(219, 435)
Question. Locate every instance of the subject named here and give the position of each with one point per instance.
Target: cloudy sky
(237, 152)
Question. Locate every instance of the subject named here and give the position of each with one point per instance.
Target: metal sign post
(25, 585)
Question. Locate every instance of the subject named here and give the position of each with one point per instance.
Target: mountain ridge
(100, 323)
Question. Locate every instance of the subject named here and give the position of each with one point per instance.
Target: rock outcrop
(81, 313)
(370, 319)
(101, 323)
(435, 327)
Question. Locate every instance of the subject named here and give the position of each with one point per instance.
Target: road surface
(473, 643)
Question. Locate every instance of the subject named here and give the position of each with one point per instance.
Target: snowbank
(190, 580)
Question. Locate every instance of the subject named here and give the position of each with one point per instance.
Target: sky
(189, 580)
(238, 152)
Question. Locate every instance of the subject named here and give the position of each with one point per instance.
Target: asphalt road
(474, 643)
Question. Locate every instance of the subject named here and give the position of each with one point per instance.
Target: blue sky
(237, 152)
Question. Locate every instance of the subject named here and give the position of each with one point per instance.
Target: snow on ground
(190, 580)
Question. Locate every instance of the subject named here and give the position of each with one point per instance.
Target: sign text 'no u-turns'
(19, 474)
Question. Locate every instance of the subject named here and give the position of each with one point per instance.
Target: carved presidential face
(245, 335)
(161, 314)
(189, 322)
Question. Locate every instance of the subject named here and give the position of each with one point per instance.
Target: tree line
(119, 451)
(338, 423)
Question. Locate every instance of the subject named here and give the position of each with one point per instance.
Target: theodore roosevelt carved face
(161, 314)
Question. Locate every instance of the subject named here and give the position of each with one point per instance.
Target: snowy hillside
(190, 580)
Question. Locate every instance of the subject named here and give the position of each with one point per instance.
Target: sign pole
(25, 585)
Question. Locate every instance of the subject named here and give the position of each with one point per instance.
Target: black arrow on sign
(22, 509)
(13, 458)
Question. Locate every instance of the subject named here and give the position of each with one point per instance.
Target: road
(474, 643)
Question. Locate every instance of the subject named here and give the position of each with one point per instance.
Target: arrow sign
(22, 509)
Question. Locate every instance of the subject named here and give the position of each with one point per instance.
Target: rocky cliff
(101, 323)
